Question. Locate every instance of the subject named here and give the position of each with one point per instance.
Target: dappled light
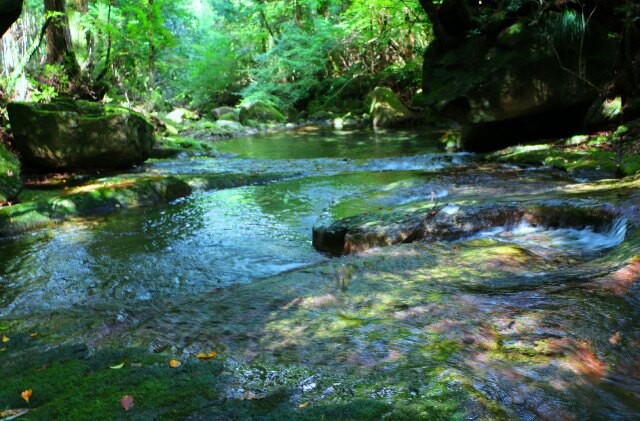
(319, 210)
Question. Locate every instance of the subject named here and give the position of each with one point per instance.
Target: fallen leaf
(117, 367)
(5, 339)
(11, 414)
(26, 395)
(174, 363)
(35, 334)
(208, 356)
(304, 405)
(615, 338)
(126, 402)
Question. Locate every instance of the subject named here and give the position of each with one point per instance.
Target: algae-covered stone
(180, 114)
(260, 112)
(226, 113)
(386, 108)
(10, 183)
(80, 134)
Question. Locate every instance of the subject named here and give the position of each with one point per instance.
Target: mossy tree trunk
(59, 38)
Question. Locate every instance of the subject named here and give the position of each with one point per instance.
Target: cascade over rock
(80, 134)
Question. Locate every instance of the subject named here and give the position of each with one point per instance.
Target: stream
(517, 322)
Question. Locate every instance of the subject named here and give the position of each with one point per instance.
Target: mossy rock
(260, 112)
(79, 135)
(10, 182)
(387, 110)
(101, 197)
(226, 113)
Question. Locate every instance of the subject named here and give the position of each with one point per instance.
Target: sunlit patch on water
(585, 240)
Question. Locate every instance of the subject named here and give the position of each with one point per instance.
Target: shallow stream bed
(514, 322)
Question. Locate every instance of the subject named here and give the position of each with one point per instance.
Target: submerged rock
(260, 112)
(80, 134)
(10, 182)
(386, 109)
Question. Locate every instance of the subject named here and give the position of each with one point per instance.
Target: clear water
(395, 324)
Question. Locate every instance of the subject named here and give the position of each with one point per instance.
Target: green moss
(630, 164)
(106, 195)
(259, 112)
(10, 183)
(592, 159)
(167, 147)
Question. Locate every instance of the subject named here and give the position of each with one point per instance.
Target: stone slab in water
(433, 223)
(80, 134)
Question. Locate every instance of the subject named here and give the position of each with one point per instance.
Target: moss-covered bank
(111, 194)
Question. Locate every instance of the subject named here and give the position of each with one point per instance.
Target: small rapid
(587, 240)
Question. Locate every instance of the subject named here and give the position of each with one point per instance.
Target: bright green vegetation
(605, 154)
(201, 53)
(10, 183)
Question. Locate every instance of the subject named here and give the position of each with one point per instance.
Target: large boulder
(260, 112)
(80, 135)
(10, 182)
(387, 109)
(518, 81)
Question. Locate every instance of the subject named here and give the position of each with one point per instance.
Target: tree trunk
(152, 46)
(59, 38)
(438, 27)
(9, 13)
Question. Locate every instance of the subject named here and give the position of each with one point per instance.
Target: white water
(583, 240)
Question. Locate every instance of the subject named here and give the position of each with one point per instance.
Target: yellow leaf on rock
(304, 405)
(5, 339)
(174, 363)
(208, 356)
(26, 395)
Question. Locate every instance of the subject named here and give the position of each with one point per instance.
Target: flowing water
(518, 322)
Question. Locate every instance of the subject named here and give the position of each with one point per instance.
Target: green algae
(112, 194)
(10, 183)
(168, 147)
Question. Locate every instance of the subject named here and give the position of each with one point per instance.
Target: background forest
(302, 54)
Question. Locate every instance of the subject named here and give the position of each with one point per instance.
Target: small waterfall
(585, 240)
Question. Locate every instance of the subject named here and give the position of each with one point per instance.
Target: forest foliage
(206, 53)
